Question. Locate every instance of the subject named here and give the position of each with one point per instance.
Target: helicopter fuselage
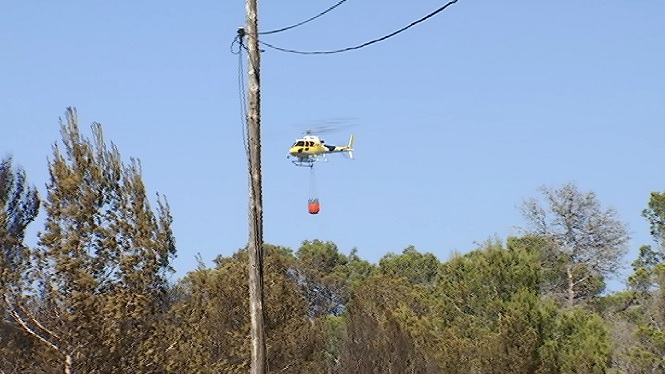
(310, 146)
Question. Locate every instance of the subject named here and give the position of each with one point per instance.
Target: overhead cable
(432, 14)
(241, 87)
(303, 22)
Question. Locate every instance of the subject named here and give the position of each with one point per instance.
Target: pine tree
(102, 259)
(19, 206)
(207, 329)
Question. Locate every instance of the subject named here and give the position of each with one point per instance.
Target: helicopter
(310, 148)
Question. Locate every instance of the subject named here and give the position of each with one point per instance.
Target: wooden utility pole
(255, 246)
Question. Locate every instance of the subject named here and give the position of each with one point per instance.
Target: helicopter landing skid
(308, 161)
(304, 163)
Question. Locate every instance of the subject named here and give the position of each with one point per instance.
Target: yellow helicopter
(310, 149)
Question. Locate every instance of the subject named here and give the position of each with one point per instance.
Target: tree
(482, 314)
(643, 318)
(104, 252)
(383, 317)
(326, 276)
(19, 206)
(490, 311)
(207, 329)
(644, 279)
(645, 315)
(655, 214)
(577, 342)
(588, 239)
(416, 267)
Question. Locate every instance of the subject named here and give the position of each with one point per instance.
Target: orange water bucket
(313, 206)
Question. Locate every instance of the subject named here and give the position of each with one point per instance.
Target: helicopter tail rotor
(349, 148)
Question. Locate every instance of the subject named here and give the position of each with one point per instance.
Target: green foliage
(636, 315)
(208, 326)
(578, 342)
(484, 315)
(554, 265)
(383, 316)
(102, 259)
(648, 354)
(644, 277)
(489, 305)
(324, 257)
(326, 276)
(416, 267)
(19, 205)
(645, 351)
(655, 214)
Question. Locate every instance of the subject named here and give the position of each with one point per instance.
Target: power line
(432, 14)
(242, 95)
(303, 22)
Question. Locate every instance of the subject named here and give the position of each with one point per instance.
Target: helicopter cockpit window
(299, 143)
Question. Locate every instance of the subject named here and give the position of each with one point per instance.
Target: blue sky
(459, 118)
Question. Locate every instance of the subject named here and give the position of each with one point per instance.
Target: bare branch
(583, 233)
(37, 323)
(581, 279)
(27, 328)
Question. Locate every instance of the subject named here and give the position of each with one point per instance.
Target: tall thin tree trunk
(68, 364)
(570, 298)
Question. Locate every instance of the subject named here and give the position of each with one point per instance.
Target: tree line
(92, 295)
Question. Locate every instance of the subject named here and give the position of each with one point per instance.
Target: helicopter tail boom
(348, 149)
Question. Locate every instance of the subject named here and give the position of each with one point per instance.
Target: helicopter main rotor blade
(328, 126)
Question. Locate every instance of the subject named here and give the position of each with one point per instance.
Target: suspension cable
(303, 22)
(422, 19)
